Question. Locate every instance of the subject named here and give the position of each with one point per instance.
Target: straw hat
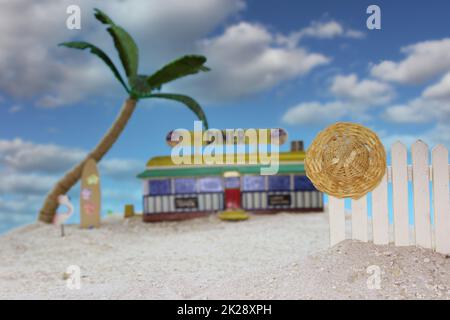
(346, 160)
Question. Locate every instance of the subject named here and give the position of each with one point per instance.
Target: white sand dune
(282, 256)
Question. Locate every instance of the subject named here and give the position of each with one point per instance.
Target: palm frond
(99, 53)
(124, 43)
(184, 66)
(186, 100)
(127, 48)
(102, 17)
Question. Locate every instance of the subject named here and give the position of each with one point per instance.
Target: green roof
(217, 170)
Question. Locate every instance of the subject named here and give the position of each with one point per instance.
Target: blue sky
(300, 65)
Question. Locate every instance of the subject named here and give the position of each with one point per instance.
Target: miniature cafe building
(174, 192)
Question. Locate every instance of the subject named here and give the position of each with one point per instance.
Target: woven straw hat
(346, 160)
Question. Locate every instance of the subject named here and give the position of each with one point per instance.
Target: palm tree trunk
(48, 210)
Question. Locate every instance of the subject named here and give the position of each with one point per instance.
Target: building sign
(279, 199)
(186, 203)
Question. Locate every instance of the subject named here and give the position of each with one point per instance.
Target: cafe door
(232, 190)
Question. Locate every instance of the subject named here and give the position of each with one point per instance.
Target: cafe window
(210, 184)
(159, 187)
(253, 183)
(302, 183)
(279, 183)
(185, 185)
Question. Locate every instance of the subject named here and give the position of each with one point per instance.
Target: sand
(283, 256)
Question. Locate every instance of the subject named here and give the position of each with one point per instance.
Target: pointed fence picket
(400, 194)
(421, 193)
(441, 199)
(420, 173)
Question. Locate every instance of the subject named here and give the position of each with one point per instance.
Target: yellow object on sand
(346, 160)
(129, 211)
(233, 215)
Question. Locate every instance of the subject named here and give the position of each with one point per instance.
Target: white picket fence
(424, 233)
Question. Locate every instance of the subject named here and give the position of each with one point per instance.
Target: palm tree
(139, 87)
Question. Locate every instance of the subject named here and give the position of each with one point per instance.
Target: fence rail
(421, 174)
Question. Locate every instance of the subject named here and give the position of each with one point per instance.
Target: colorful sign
(186, 203)
(90, 196)
(279, 200)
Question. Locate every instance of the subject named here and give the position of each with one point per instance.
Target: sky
(299, 65)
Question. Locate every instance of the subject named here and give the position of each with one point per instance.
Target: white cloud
(18, 211)
(15, 108)
(78, 80)
(440, 90)
(25, 184)
(324, 30)
(320, 30)
(424, 61)
(24, 156)
(120, 168)
(355, 34)
(312, 113)
(27, 157)
(245, 59)
(32, 67)
(35, 68)
(411, 112)
(433, 105)
(439, 134)
(168, 28)
(29, 170)
(353, 90)
(419, 110)
(352, 99)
